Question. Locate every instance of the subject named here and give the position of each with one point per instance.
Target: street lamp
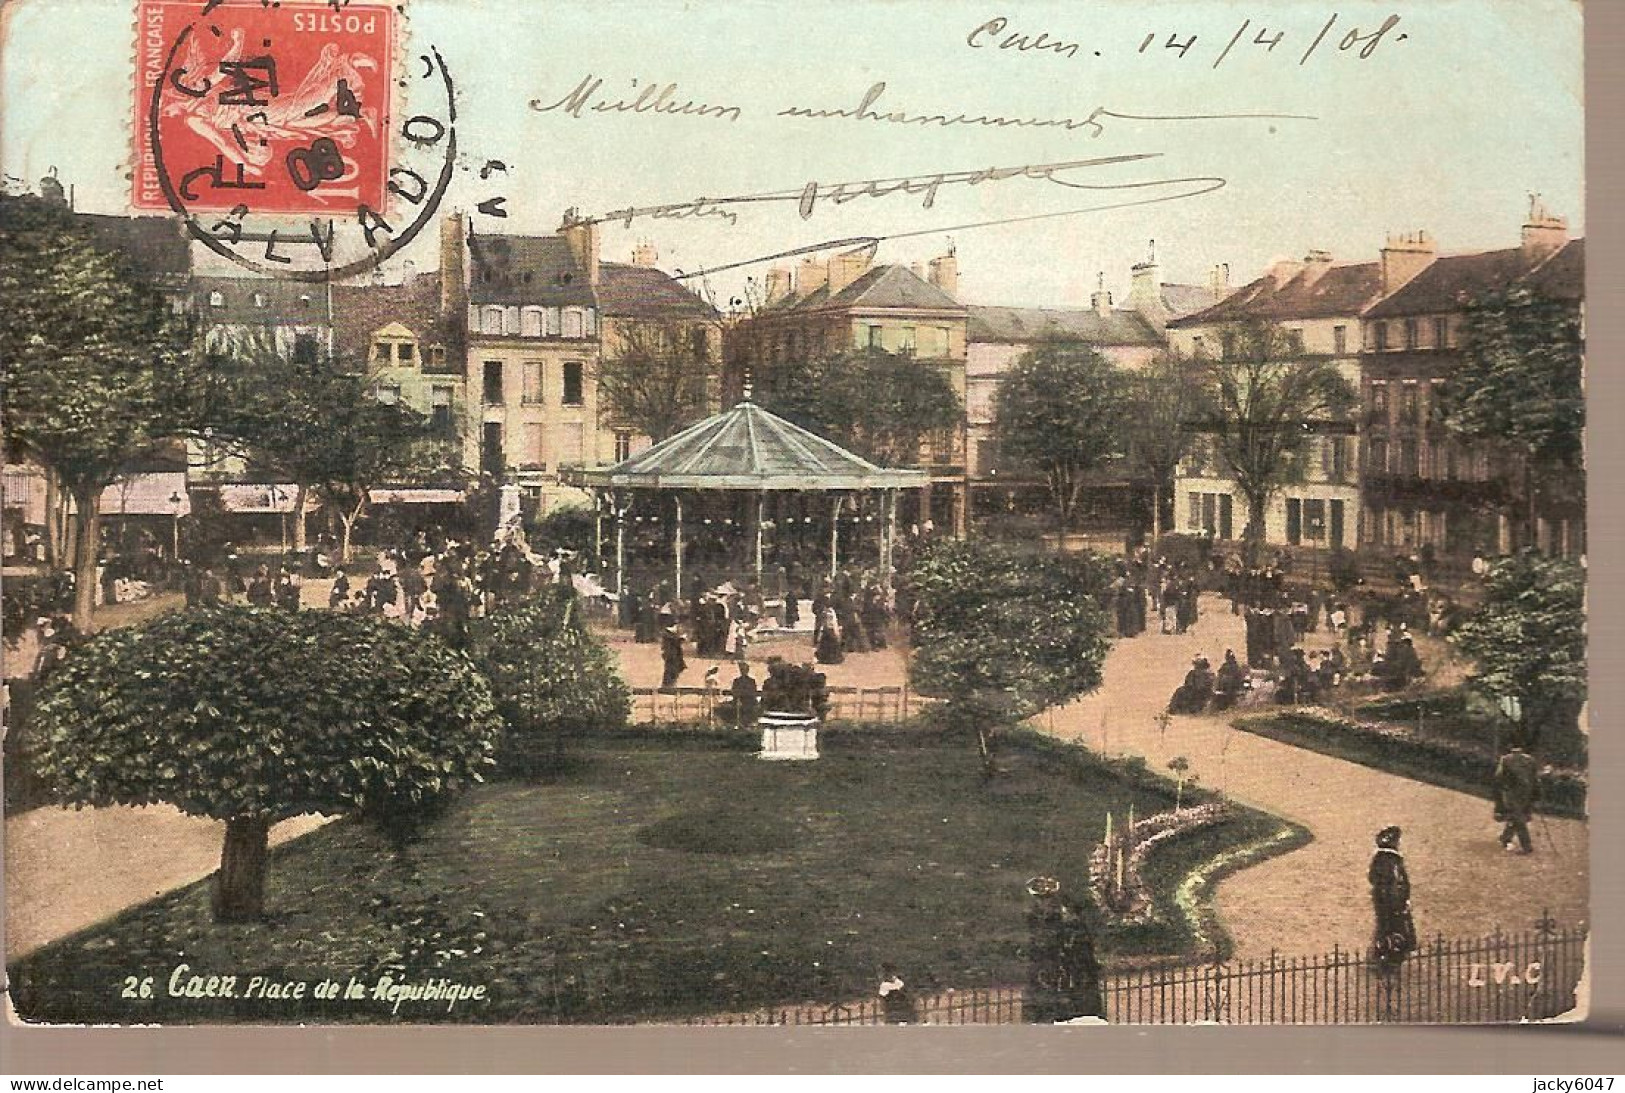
(175, 500)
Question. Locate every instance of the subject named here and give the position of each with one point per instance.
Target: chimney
(944, 273)
(811, 276)
(1101, 300)
(918, 270)
(582, 236)
(644, 255)
(1218, 282)
(1315, 265)
(846, 268)
(1543, 233)
(1145, 294)
(1404, 257)
(453, 270)
(778, 284)
(1283, 270)
(409, 272)
(377, 278)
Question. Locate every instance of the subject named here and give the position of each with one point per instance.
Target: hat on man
(1388, 838)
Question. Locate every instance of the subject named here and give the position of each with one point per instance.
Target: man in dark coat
(1063, 974)
(1193, 695)
(1391, 900)
(1516, 781)
(745, 697)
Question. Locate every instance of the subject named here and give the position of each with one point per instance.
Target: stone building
(1317, 304)
(845, 304)
(1423, 487)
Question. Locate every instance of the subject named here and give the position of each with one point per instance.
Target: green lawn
(661, 877)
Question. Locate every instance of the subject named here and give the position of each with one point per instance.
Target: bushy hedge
(553, 679)
(1399, 751)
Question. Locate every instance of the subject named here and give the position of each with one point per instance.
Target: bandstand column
(677, 549)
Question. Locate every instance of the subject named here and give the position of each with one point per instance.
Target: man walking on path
(1516, 780)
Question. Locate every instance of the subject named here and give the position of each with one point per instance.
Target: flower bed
(1402, 750)
(1131, 904)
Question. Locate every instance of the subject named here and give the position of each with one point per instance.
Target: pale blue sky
(1446, 130)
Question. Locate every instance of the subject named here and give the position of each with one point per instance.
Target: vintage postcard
(818, 513)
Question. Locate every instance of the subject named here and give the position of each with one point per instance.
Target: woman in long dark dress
(828, 648)
(1391, 899)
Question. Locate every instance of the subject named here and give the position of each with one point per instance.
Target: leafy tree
(552, 678)
(96, 371)
(1519, 381)
(658, 378)
(251, 716)
(1161, 405)
(1058, 412)
(1528, 640)
(1264, 404)
(883, 406)
(1000, 633)
(324, 428)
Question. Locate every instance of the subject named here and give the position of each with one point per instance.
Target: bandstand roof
(748, 448)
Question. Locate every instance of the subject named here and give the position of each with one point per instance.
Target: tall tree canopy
(1162, 403)
(1519, 381)
(1528, 640)
(322, 427)
(1059, 412)
(1265, 404)
(1001, 633)
(658, 378)
(96, 371)
(883, 406)
(253, 715)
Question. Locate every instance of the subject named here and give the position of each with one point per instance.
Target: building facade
(1428, 489)
(847, 304)
(1316, 304)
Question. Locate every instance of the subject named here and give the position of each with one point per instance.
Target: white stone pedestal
(788, 736)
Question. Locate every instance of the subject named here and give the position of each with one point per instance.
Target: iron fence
(1505, 978)
(700, 705)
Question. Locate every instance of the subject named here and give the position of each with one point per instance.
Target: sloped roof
(641, 292)
(748, 448)
(1563, 275)
(1452, 280)
(894, 286)
(156, 247)
(360, 311)
(1019, 325)
(1182, 300)
(526, 269)
(1338, 290)
(262, 301)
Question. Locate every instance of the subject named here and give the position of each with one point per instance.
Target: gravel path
(1306, 901)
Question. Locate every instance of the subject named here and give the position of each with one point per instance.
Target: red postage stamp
(279, 107)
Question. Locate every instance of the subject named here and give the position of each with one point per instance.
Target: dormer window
(304, 301)
(437, 356)
(217, 299)
(380, 352)
(259, 299)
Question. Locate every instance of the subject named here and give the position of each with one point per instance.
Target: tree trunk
(1255, 529)
(87, 534)
(239, 887)
(1156, 510)
(53, 521)
(348, 519)
(299, 518)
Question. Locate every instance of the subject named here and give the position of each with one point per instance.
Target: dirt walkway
(66, 869)
(1316, 897)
